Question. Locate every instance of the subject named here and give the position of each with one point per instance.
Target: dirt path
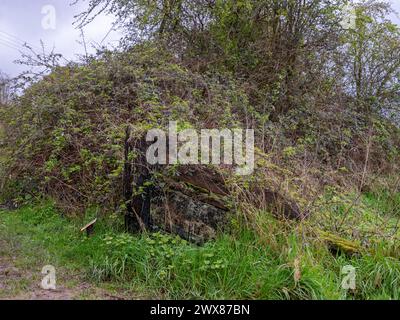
(17, 283)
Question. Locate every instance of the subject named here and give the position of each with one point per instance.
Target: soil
(18, 283)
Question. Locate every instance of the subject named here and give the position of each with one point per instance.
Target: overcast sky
(32, 20)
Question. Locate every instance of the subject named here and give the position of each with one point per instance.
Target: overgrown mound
(65, 135)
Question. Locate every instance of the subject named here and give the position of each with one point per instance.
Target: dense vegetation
(322, 97)
(275, 265)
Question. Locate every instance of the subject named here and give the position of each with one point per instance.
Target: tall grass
(283, 264)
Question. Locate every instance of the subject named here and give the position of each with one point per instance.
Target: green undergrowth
(242, 265)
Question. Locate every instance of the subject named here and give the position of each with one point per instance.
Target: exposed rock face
(186, 216)
(190, 210)
(191, 201)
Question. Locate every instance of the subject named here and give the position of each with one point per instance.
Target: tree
(4, 88)
(373, 53)
(267, 41)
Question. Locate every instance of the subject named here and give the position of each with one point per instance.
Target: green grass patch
(242, 266)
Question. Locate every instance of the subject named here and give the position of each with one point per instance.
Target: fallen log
(338, 244)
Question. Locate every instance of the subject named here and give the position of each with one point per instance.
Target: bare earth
(25, 284)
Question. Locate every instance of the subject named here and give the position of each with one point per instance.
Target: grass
(243, 265)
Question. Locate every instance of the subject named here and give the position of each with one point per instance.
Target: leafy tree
(373, 50)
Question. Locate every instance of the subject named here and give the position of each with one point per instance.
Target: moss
(340, 244)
